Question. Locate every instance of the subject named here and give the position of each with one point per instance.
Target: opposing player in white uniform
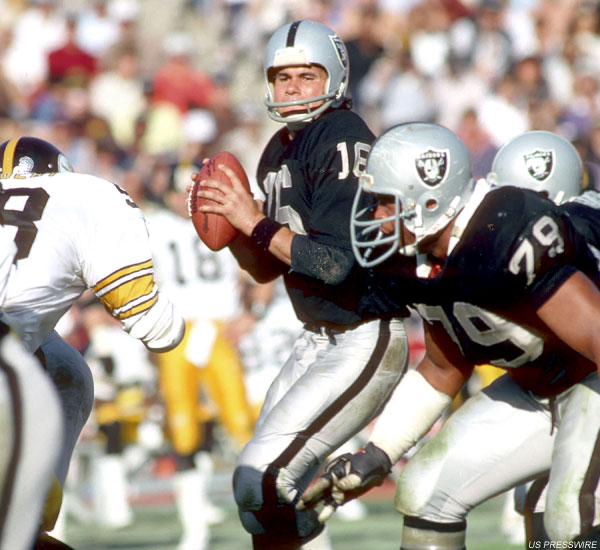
(73, 232)
(268, 344)
(30, 423)
(201, 380)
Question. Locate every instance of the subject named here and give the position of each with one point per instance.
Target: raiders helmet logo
(340, 49)
(539, 164)
(432, 166)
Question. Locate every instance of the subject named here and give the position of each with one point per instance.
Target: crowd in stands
(120, 84)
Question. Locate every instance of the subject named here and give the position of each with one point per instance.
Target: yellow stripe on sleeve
(129, 291)
(140, 308)
(123, 272)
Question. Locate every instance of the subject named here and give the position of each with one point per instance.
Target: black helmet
(25, 156)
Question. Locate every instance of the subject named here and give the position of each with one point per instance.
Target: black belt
(329, 330)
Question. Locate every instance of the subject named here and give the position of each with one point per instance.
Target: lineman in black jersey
(548, 163)
(346, 362)
(516, 285)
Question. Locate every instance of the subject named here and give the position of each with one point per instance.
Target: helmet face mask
(541, 161)
(27, 156)
(306, 43)
(427, 169)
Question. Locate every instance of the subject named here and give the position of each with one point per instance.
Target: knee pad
(272, 515)
(420, 534)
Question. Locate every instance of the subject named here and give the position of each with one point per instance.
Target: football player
(32, 425)
(542, 161)
(515, 285)
(73, 232)
(346, 361)
(550, 164)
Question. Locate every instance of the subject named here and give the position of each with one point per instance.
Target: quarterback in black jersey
(346, 362)
(513, 281)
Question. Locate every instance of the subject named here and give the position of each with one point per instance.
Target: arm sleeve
(117, 265)
(329, 264)
(412, 410)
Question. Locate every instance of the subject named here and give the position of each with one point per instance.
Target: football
(214, 230)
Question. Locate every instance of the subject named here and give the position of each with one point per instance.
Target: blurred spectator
(483, 41)
(363, 50)
(97, 31)
(499, 114)
(577, 118)
(394, 92)
(530, 79)
(481, 148)
(178, 82)
(69, 62)
(429, 37)
(585, 30)
(117, 95)
(460, 89)
(177, 87)
(36, 31)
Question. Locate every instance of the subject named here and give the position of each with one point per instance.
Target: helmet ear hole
(431, 204)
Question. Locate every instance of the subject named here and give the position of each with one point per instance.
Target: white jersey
(73, 232)
(267, 346)
(8, 250)
(202, 283)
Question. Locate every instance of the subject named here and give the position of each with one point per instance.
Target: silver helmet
(307, 43)
(426, 169)
(541, 161)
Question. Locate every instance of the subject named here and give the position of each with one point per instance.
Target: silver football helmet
(307, 43)
(541, 161)
(426, 169)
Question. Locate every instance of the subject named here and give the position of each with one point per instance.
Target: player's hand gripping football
(233, 202)
(346, 477)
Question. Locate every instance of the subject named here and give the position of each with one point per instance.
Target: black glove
(346, 477)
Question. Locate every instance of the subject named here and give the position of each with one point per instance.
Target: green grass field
(156, 527)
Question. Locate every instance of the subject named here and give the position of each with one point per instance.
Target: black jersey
(516, 251)
(310, 182)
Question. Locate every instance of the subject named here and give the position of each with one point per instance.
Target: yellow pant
(485, 374)
(193, 395)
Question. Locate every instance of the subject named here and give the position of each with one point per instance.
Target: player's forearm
(329, 264)
(578, 301)
(410, 413)
(261, 265)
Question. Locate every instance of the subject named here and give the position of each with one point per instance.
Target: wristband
(264, 231)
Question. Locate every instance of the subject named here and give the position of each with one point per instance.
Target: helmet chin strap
(297, 125)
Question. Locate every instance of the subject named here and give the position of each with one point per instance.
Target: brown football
(214, 230)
